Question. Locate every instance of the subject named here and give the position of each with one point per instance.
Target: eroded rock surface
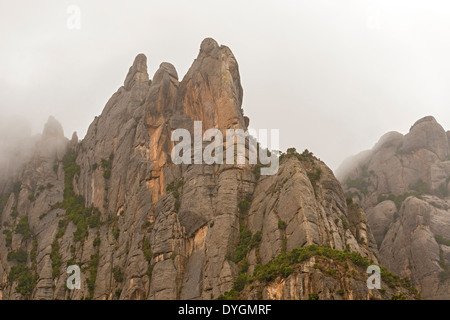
(403, 185)
(141, 227)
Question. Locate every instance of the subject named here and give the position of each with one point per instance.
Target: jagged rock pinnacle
(208, 45)
(164, 68)
(138, 72)
(211, 90)
(74, 141)
(53, 129)
(175, 231)
(428, 134)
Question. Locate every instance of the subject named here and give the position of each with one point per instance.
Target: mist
(16, 146)
(333, 76)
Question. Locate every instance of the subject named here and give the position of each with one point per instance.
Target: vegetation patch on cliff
(84, 218)
(106, 164)
(174, 188)
(26, 279)
(3, 201)
(23, 228)
(284, 265)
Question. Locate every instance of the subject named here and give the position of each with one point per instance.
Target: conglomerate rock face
(403, 185)
(141, 227)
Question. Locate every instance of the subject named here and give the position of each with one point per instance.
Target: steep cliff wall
(141, 227)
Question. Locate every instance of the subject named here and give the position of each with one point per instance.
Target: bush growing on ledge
(116, 232)
(306, 155)
(256, 240)
(247, 241)
(420, 187)
(96, 242)
(351, 195)
(55, 257)
(26, 280)
(3, 201)
(360, 183)
(257, 170)
(399, 296)
(118, 274)
(245, 237)
(240, 282)
(8, 237)
(313, 296)
(244, 205)
(23, 228)
(277, 266)
(173, 187)
(93, 267)
(397, 199)
(315, 175)
(14, 212)
(344, 224)
(442, 191)
(441, 240)
(229, 295)
(444, 275)
(76, 212)
(281, 225)
(146, 248)
(282, 266)
(107, 166)
(16, 188)
(19, 256)
(33, 254)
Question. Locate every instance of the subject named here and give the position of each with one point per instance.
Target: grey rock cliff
(141, 227)
(403, 184)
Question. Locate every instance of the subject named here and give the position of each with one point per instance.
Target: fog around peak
(333, 76)
(16, 144)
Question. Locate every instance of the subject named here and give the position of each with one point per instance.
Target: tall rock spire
(137, 73)
(53, 129)
(211, 91)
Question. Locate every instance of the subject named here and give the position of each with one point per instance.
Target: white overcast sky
(333, 76)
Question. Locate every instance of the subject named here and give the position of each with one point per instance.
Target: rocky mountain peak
(430, 120)
(52, 144)
(74, 141)
(211, 91)
(53, 129)
(138, 72)
(403, 184)
(428, 134)
(208, 45)
(389, 139)
(141, 227)
(74, 137)
(169, 68)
